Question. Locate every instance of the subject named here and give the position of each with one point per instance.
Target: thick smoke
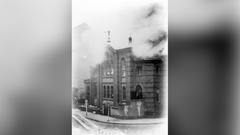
(150, 31)
(87, 51)
(146, 23)
(153, 10)
(158, 38)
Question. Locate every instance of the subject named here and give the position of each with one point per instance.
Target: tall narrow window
(108, 92)
(105, 71)
(112, 93)
(95, 90)
(156, 68)
(124, 92)
(139, 70)
(112, 70)
(88, 92)
(104, 91)
(108, 69)
(123, 67)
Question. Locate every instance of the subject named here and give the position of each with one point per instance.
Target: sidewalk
(111, 120)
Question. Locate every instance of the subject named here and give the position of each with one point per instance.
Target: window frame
(123, 67)
(112, 91)
(124, 92)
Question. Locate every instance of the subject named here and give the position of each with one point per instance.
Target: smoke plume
(145, 22)
(150, 31)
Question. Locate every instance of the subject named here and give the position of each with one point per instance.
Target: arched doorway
(137, 93)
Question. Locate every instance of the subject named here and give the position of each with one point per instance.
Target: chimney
(129, 40)
(108, 37)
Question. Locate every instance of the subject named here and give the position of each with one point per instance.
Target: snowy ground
(157, 129)
(129, 127)
(104, 118)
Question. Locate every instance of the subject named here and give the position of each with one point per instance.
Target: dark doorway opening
(137, 94)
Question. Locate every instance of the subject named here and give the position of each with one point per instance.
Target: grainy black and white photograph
(119, 67)
(115, 67)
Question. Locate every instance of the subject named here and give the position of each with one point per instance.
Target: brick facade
(125, 81)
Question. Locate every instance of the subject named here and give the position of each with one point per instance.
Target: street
(124, 127)
(156, 129)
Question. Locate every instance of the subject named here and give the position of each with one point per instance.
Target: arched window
(105, 70)
(123, 67)
(111, 68)
(124, 92)
(108, 69)
(137, 94)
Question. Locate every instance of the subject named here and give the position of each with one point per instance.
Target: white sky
(89, 10)
(103, 15)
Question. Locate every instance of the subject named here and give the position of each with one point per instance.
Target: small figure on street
(125, 110)
(139, 103)
(86, 105)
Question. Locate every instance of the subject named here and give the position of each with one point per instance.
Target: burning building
(124, 85)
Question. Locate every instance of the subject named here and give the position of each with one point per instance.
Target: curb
(110, 122)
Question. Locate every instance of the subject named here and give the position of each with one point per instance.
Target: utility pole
(108, 111)
(86, 104)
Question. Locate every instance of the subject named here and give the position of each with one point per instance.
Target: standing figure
(139, 103)
(125, 110)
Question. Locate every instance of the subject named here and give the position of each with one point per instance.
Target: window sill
(124, 100)
(108, 98)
